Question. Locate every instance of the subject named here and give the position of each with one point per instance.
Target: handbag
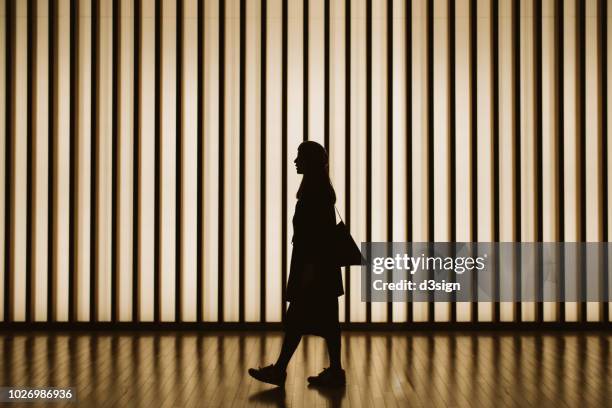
(345, 251)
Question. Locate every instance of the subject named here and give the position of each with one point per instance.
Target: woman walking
(314, 281)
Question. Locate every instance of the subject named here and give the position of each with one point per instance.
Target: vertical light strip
(231, 160)
(559, 140)
(125, 150)
(441, 129)
(252, 162)
(570, 141)
(274, 159)
(337, 116)
(484, 139)
(379, 136)
(316, 77)
(63, 160)
(399, 130)
(549, 149)
(602, 11)
(104, 191)
(528, 162)
(168, 163)
(462, 179)
(297, 123)
(506, 144)
(147, 162)
(592, 148)
(4, 194)
(41, 187)
(358, 145)
(211, 159)
(83, 255)
(189, 163)
(419, 134)
(17, 219)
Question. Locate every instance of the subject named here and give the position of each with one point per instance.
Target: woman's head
(311, 159)
(313, 163)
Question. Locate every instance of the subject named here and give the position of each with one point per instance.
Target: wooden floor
(391, 369)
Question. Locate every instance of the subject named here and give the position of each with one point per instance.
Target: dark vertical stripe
(430, 150)
(390, 139)
(306, 31)
(495, 136)
(409, 220)
(452, 140)
(200, 178)
(326, 74)
(242, 137)
(284, 131)
(602, 19)
(116, 152)
(9, 185)
(516, 120)
(136, 164)
(369, 135)
(74, 145)
(263, 156)
(581, 44)
(537, 58)
(178, 268)
(95, 86)
(347, 146)
(474, 143)
(221, 232)
(158, 123)
(559, 104)
(31, 153)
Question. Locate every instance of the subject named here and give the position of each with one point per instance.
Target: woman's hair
(316, 172)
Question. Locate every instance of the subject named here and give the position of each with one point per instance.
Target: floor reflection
(383, 369)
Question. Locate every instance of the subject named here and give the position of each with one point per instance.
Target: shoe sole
(263, 380)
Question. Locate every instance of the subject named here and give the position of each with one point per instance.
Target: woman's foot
(269, 374)
(329, 377)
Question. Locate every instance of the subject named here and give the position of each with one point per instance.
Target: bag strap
(338, 212)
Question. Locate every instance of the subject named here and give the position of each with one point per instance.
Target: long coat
(314, 221)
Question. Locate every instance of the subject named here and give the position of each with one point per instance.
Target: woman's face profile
(299, 162)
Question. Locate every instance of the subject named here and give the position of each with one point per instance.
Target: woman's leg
(333, 348)
(290, 343)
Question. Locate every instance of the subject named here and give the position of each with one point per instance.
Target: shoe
(269, 374)
(329, 377)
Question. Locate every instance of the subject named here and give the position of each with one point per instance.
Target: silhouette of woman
(314, 281)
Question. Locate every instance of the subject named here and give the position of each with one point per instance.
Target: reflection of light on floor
(396, 369)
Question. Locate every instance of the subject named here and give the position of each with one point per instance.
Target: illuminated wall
(147, 146)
